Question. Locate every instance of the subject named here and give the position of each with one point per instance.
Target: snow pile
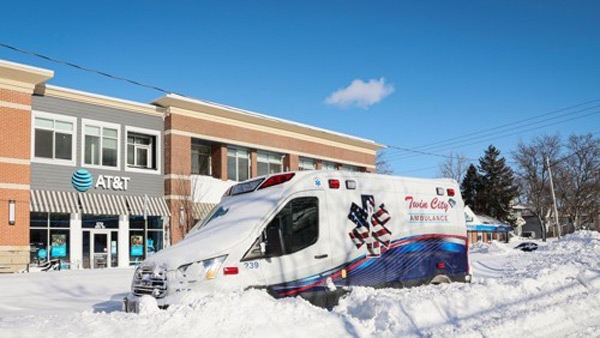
(554, 291)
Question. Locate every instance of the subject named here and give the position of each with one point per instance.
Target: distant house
(481, 228)
(530, 225)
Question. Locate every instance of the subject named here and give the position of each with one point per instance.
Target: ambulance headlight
(207, 268)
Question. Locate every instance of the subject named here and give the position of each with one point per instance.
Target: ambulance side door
(297, 239)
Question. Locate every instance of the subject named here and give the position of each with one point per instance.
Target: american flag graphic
(370, 226)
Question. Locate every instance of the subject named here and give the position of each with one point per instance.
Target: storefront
(93, 231)
(485, 229)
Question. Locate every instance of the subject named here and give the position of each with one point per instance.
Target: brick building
(97, 181)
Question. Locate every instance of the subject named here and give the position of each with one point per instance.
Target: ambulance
(316, 234)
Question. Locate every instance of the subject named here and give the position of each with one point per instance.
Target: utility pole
(553, 198)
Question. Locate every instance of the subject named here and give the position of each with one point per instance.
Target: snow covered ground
(553, 292)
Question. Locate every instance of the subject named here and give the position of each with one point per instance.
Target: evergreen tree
(497, 188)
(470, 186)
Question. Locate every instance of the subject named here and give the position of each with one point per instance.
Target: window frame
(271, 159)
(157, 134)
(102, 125)
(304, 160)
(350, 168)
(210, 170)
(325, 164)
(63, 118)
(237, 162)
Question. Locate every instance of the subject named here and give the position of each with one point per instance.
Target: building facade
(95, 181)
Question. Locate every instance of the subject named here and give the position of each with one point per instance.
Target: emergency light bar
(276, 180)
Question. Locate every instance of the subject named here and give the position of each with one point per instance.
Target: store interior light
(11, 212)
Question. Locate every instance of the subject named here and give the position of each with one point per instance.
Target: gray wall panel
(58, 177)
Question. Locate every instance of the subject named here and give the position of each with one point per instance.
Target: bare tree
(532, 174)
(189, 191)
(455, 166)
(579, 188)
(382, 164)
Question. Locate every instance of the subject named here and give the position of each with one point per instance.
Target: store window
(146, 237)
(50, 238)
(201, 159)
(269, 163)
(101, 144)
(307, 164)
(238, 164)
(329, 166)
(141, 151)
(53, 137)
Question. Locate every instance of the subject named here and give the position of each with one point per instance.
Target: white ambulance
(314, 234)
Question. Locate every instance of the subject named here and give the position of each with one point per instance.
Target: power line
(423, 152)
(502, 136)
(91, 70)
(446, 146)
(576, 152)
(428, 146)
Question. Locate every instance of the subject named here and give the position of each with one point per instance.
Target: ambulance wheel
(440, 279)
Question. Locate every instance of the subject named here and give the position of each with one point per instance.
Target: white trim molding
(177, 177)
(15, 105)
(177, 197)
(20, 161)
(15, 186)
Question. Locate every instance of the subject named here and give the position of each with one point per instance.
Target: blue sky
(454, 66)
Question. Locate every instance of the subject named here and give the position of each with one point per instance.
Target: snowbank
(554, 291)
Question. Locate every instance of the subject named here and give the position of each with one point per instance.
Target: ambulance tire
(325, 299)
(440, 279)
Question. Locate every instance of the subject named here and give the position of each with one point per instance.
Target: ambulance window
(294, 228)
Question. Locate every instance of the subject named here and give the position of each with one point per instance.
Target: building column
(123, 245)
(17, 84)
(76, 245)
(219, 161)
(253, 163)
(178, 169)
(291, 162)
(319, 164)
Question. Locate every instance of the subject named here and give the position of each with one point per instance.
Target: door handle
(321, 256)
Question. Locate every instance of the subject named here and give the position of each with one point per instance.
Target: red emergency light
(232, 270)
(275, 180)
(334, 184)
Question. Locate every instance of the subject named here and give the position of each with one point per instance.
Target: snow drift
(554, 291)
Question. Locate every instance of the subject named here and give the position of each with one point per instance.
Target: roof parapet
(19, 77)
(207, 107)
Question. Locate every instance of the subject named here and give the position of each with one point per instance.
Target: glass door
(101, 253)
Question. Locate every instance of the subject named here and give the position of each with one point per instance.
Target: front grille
(145, 282)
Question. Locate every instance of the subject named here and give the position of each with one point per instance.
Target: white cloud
(361, 94)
